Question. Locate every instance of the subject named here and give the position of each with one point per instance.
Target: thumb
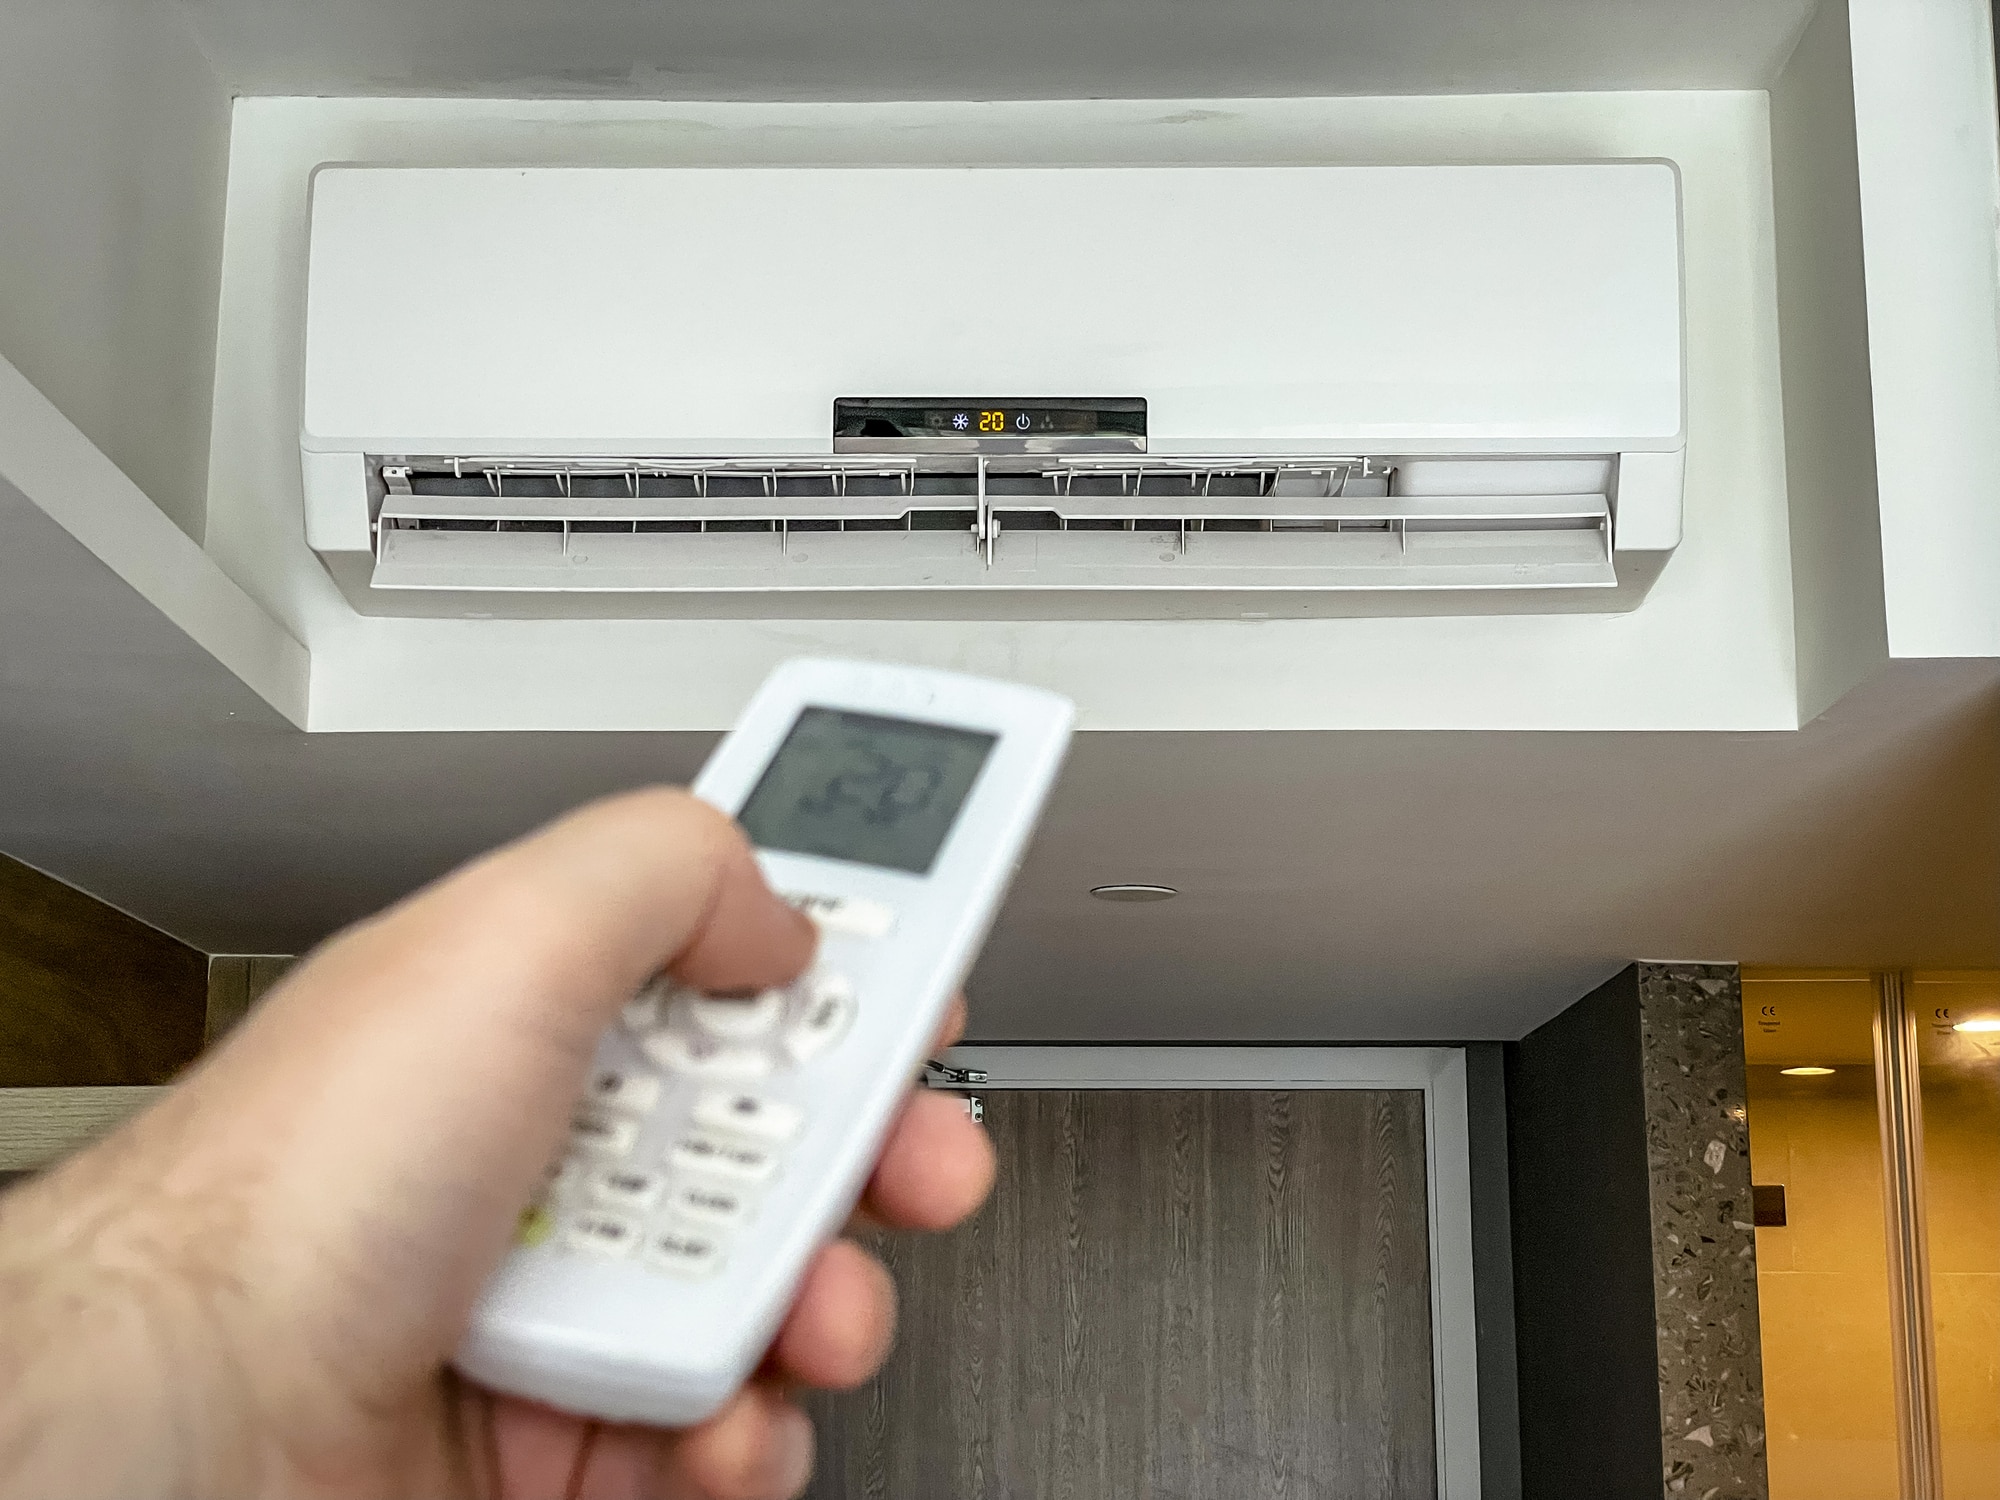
(395, 1102)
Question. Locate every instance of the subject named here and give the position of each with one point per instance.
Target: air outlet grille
(956, 521)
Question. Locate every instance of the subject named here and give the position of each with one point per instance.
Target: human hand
(255, 1286)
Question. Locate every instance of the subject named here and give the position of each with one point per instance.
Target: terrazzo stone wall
(1635, 1268)
(1704, 1246)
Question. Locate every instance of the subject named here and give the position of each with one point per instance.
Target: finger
(536, 1450)
(936, 1166)
(461, 1021)
(558, 929)
(758, 1447)
(842, 1320)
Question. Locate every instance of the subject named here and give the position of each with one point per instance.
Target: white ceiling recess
(1334, 886)
(1712, 649)
(972, 49)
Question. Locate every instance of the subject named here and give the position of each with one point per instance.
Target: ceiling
(974, 49)
(1335, 885)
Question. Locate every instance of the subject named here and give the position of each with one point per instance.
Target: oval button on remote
(736, 1020)
(705, 1056)
(748, 1114)
(823, 1018)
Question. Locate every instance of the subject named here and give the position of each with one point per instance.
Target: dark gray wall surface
(1180, 1295)
(1583, 1252)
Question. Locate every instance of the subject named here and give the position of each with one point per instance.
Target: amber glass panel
(1960, 1071)
(1822, 1279)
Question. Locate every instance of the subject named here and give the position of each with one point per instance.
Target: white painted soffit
(56, 469)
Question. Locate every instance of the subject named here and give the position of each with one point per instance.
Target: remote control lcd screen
(861, 787)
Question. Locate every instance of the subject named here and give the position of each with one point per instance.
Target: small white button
(627, 1188)
(602, 1134)
(848, 916)
(705, 1056)
(711, 1203)
(734, 1020)
(566, 1178)
(825, 1013)
(602, 1234)
(611, 1089)
(647, 1010)
(747, 1114)
(723, 1158)
(684, 1252)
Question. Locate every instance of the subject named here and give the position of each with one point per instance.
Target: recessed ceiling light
(1984, 1023)
(1134, 892)
(1805, 1072)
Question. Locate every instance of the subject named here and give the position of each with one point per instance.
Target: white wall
(1929, 149)
(1837, 605)
(1710, 649)
(114, 140)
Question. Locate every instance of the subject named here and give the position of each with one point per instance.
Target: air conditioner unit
(1001, 391)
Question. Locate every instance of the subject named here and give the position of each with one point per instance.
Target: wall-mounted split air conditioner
(994, 390)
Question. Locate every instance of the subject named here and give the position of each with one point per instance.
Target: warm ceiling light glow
(1134, 892)
(1805, 1072)
(1984, 1023)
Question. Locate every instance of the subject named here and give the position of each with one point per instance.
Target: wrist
(109, 1374)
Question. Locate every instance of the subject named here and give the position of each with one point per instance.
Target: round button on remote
(734, 1020)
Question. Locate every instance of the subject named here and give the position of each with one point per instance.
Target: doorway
(1205, 1273)
(1874, 1111)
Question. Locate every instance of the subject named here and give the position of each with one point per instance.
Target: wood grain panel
(88, 995)
(236, 982)
(1181, 1295)
(40, 1126)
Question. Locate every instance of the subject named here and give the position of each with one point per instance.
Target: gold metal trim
(1899, 1106)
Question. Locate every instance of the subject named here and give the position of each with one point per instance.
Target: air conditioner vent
(959, 521)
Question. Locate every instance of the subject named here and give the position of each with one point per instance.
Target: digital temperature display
(1109, 425)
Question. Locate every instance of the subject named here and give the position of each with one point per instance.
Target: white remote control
(722, 1141)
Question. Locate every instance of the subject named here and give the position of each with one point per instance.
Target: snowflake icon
(960, 421)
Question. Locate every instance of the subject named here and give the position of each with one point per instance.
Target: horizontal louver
(954, 522)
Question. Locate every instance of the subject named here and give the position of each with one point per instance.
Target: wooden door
(1213, 1295)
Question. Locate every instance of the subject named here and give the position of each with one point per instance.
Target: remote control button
(848, 916)
(710, 1203)
(647, 1010)
(722, 1158)
(822, 1020)
(602, 1234)
(611, 1089)
(567, 1176)
(734, 1020)
(628, 1188)
(603, 1134)
(705, 1056)
(684, 1252)
(747, 1114)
